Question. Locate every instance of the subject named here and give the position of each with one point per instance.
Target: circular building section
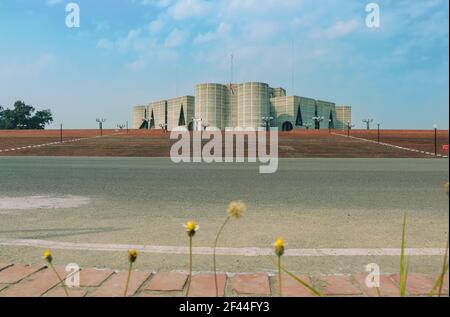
(253, 104)
(211, 105)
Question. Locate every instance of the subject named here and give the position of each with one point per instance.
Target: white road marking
(248, 252)
(391, 145)
(55, 143)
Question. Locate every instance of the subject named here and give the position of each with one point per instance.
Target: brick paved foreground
(17, 280)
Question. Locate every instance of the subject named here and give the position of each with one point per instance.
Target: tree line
(23, 116)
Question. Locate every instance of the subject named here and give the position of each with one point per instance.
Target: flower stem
(128, 279)
(214, 255)
(190, 266)
(279, 276)
(444, 270)
(378, 291)
(60, 280)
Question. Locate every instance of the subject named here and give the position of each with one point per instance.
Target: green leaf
(308, 287)
(440, 280)
(402, 261)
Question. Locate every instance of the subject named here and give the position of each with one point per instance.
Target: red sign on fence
(445, 148)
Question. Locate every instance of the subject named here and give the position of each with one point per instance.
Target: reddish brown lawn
(18, 138)
(138, 143)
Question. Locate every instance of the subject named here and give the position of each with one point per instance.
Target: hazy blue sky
(130, 52)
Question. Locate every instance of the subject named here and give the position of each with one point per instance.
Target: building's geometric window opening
(299, 120)
(165, 115)
(316, 114)
(144, 124)
(331, 122)
(191, 126)
(287, 126)
(181, 120)
(152, 121)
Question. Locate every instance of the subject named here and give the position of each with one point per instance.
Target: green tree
(41, 119)
(24, 116)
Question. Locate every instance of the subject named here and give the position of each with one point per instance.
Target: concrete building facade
(171, 113)
(252, 105)
(343, 116)
(284, 112)
(327, 112)
(238, 106)
(139, 117)
(212, 105)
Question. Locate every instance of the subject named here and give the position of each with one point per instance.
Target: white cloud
(155, 26)
(262, 5)
(342, 28)
(136, 65)
(131, 41)
(157, 3)
(102, 26)
(260, 30)
(176, 38)
(104, 44)
(32, 67)
(184, 9)
(52, 3)
(222, 30)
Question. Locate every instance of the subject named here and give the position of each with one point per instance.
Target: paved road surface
(313, 203)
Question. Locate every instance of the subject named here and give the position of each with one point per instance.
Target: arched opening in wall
(287, 126)
(191, 126)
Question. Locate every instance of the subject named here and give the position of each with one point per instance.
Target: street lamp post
(368, 122)
(317, 121)
(308, 125)
(378, 136)
(61, 133)
(349, 126)
(100, 124)
(127, 126)
(197, 124)
(266, 121)
(435, 139)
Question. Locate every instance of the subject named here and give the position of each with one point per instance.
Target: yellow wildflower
(132, 255)
(48, 256)
(236, 209)
(191, 228)
(279, 247)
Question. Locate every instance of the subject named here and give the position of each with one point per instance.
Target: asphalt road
(312, 203)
